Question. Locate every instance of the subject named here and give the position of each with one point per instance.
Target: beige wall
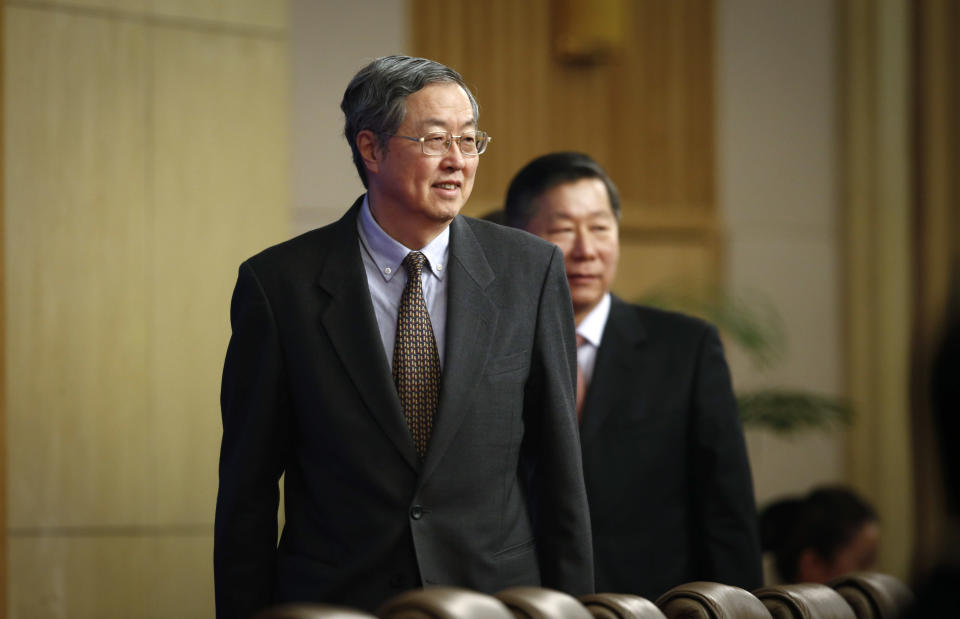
(331, 41)
(146, 155)
(778, 179)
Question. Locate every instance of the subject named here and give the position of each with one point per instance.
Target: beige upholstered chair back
(711, 600)
(539, 603)
(443, 603)
(873, 595)
(620, 606)
(311, 611)
(804, 601)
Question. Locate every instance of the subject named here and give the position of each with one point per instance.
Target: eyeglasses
(437, 143)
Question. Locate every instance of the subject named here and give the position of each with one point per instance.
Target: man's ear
(369, 149)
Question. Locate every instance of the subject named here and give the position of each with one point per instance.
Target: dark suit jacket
(498, 499)
(671, 497)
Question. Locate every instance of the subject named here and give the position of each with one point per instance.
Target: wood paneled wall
(146, 156)
(646, 114)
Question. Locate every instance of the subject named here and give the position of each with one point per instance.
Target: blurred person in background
(818, 537)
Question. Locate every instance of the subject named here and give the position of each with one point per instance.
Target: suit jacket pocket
(508, 364)
(516, 549)
(517, 565)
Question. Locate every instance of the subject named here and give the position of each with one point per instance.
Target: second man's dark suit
(665, 464)
(497, 501)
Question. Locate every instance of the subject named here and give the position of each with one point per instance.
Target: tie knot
(580, 340)
(413, 263)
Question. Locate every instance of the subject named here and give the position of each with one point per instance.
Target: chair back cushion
(804, 601)
(711, 600)
(311, 611)
(620, 606)
(443, 603)
(874, 595)
(541, 603)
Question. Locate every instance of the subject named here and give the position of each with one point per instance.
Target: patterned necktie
(416, 364)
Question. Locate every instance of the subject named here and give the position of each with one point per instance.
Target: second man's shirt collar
(591, 327)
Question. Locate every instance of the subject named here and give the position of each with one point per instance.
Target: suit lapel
(347, 317)
(616, 367)
(471, 321)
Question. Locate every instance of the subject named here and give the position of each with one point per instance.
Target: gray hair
(375, 99)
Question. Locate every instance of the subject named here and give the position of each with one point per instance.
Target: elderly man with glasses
(412, 373)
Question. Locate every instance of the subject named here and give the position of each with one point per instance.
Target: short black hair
(545, 173)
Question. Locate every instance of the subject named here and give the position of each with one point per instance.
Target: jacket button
(416, 512)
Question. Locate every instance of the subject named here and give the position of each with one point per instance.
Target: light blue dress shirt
(383, 262)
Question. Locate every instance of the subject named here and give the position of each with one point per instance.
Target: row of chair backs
(859, 595)
(865, 595)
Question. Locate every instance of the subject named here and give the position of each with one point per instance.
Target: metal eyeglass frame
(448, 142)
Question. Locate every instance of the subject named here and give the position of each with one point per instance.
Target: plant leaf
(789, 411)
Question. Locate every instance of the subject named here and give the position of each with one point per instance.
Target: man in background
(411, 371)
(820, 536)
(665, 464)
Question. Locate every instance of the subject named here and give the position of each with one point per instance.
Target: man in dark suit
(411, 371)
(671, 497)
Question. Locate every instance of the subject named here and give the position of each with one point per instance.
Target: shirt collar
(388, 254)
(591, 327)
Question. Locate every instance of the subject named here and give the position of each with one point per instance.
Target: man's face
(578, 218)
(418, 188)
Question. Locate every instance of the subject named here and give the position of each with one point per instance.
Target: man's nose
(454, 158)
(583, 244)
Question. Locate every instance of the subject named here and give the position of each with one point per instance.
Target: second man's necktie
(416, 364)
(581, 380)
